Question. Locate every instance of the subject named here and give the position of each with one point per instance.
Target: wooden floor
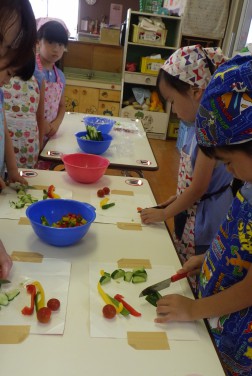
(163, 182)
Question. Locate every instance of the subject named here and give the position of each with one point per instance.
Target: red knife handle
(177, 277)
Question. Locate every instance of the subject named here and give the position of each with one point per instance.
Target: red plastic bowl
(85, 168)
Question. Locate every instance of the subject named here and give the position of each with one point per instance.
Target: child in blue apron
(203, 192)
(224, 132)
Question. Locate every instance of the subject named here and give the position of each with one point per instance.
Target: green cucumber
(118, 273)
(138, 278)
(128, 276)
(3, 299)
(124, 311)
(12, 294)
(105, 278)
(153, 298)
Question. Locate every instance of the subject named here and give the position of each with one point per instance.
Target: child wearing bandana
(224, 132)
(203, 193)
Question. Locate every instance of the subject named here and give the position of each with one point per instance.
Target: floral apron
(2, 139)
(225, 264)
(21, 100)
(185, 244)
(53, 92)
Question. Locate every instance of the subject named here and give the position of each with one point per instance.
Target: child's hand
(14, 177)
(193, 265)
(174, 307)
(5, 262)
(53, 130)
(152, 215)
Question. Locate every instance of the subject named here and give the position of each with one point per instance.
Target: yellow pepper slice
(107, 300)
(40, 295)
(104, 202)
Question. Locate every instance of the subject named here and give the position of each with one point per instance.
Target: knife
(163, 284)
(2, 281)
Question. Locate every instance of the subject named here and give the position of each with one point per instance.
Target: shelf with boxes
(149, 40)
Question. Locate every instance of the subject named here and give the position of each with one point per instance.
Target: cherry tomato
(44, 315)
(109, 311)
(106, 190)
(100, 193)
(53, 304)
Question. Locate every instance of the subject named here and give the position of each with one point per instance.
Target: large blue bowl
(93, 147)
(54, 210)
(102, 124)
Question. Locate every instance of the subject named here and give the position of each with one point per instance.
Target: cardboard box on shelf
(109, 35)
(154, 123)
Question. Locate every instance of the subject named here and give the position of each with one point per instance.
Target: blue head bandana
(225, 113)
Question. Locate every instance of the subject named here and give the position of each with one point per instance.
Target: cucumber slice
(153, 298)
(105, 278)
(3, 299)
(138, 278)
(124, 311)
(118, 273)
(128, 276)
(12, 294)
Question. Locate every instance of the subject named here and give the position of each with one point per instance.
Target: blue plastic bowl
(54, 210)
(93, 147)
(102, 124)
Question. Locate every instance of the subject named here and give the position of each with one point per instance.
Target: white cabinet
(139, 44)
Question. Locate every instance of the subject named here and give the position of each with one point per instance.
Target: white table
(75, 353)
(129, 150)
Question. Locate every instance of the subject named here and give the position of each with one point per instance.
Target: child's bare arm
(5, 262)
(179, 308)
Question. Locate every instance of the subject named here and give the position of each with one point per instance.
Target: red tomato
(106, 190)
(109, 311)
(44, 315)
(100, 193)
(53, 304)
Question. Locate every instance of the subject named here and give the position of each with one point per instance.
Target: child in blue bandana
(224, 132)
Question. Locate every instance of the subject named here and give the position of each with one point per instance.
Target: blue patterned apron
(225, 264)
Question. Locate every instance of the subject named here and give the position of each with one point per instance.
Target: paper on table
(11, 195)
(54, 275)
(118, 327)
(125, 209)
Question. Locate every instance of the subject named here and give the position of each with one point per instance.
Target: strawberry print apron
(21, 100)
(185, 245)
(227, 263)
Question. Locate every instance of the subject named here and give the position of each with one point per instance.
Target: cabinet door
(108, 108)
(72, 97)
(110, 95)
(89, 99)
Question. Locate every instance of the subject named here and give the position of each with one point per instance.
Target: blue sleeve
(62, 77)
(39, 76)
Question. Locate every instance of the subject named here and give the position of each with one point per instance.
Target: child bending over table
(224, 132)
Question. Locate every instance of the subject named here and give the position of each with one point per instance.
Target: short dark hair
(53, 31)
(245, 147)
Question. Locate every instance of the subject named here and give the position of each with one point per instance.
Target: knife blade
(2, 281)
(163, 284)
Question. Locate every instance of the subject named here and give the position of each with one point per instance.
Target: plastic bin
(151, 66)
(143, 36)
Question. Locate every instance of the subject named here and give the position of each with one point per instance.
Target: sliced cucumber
(153, 298)
(124, 311)
(128, 276)
(138, 278)
(3, 299)
(105, 278)
(118, 273)
(12, 294)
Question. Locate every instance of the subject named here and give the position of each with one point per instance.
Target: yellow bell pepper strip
(104, 202)
(51, 192)
(40, 295)
(131, 310)
(107, 299)
(31, 289)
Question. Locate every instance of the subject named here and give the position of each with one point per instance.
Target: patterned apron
(53, 92)
(225, 264)
(21, 100)
(185, 245)
(2, 138)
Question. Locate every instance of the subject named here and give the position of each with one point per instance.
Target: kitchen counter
(92, 78)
